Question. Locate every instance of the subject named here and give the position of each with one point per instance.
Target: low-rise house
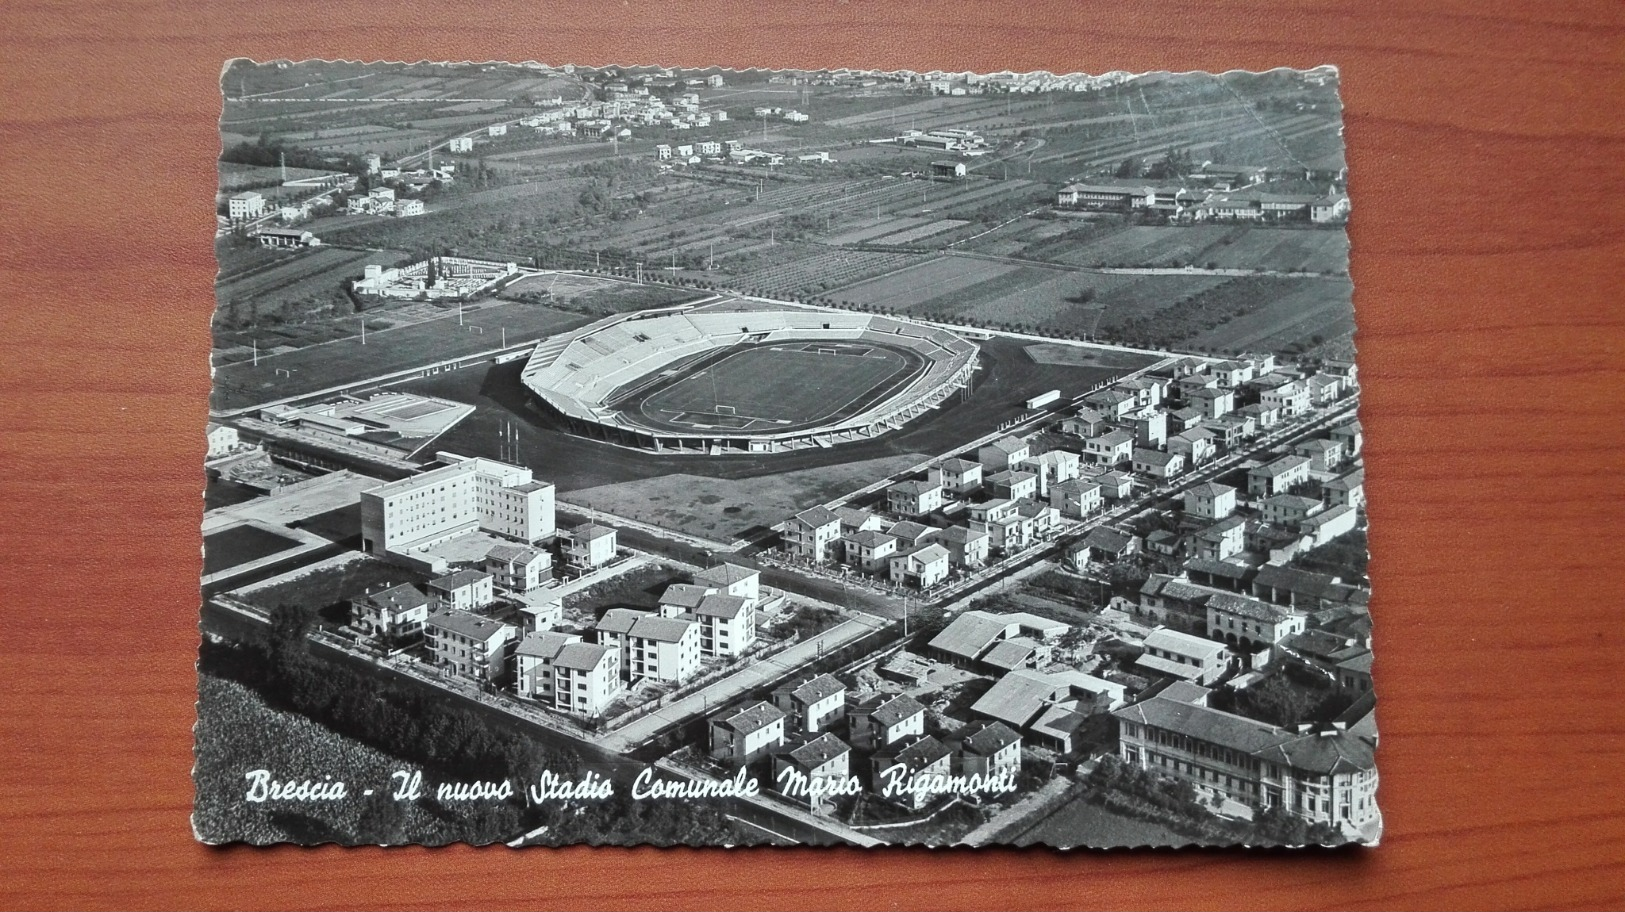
(395, 614)
(534, 677)
(1164, 542)
(518, 568)
(992, 511)
(1232, 374)
(1114, 485)
(469, 645)
(732, 579)
(746, 733)
(1179, 655)
(921, 567)
(1112, 402)
(1212, 402)
(1086, 423)
(1350, 436)
(1290, 398)
(854, 519)
(1013, 485)
(959, 476)
(1249, 623)
(589, 546)
(1210, 500)
(1158, 464)
(1346, 490)
(813, 773)
(1324, 389)
(540, 612)
(1052, 468)
(989, 749)
(1003, 454)
(223, 439)
(1354, 674)
(1324, 455)
(1183, 419)
(1077, 498)
(914, 498)
(1045, 519)
(1329, 523)
(967, 546)
(1221, 574)
(1288, 509)
(810, 534)
(1011, 532)
(465, 590)
(869, 551)
(1277, 477)
(903, 777)
(1102, 545)
(813, 705)
(1197, 445)
(883, 721)
(910, 534)
(1150, 428)
(1264, 416)
(1110, 449)
(1225, 538)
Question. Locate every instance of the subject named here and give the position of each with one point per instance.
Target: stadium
(734, 375)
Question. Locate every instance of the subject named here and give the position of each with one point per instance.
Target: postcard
(632, 455)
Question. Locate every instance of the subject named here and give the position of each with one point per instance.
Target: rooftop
(752, 718)
(468, 624)
(724, 575)
(988, 738)
(819, 751)
(459, 580)
(1183, 643)
(1251, 608)
(820, 688)
(722, 606)
(660, 629)
(545, 645)
(817, 517)
(897, 709)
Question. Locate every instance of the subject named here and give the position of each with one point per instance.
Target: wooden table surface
(1487, 149)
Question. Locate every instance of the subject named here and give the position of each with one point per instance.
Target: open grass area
(237, 545)
(328, 586)
(348, 360)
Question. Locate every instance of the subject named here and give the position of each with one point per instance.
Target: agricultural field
(1239, 314)
(287, 287)
(1216, 247)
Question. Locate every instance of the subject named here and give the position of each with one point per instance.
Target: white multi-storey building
(471, 493)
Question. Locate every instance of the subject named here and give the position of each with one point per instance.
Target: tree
(1130, 167)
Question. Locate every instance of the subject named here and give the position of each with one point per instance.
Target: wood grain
(1488, 161)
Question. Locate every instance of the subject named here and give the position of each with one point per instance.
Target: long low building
(1322, 775)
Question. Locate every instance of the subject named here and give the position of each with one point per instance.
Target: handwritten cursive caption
(409, 785)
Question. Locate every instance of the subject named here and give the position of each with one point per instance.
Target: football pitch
(779, 387)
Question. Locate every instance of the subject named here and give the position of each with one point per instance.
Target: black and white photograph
(634, 455)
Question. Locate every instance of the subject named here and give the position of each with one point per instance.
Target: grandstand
(771, 376)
